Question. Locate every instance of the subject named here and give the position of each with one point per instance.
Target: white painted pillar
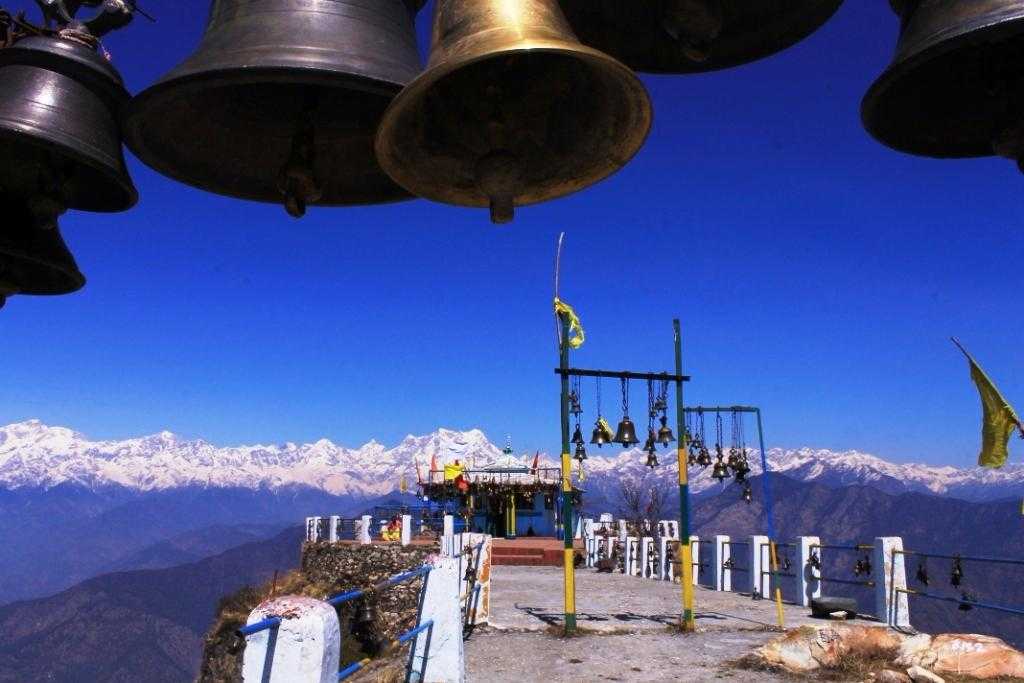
(623, 532)
(647, 568)
(310, 529)
(695, 558)
(723, 575)
(808, 579)
(449, 526)
(333, 529)
(437, 652)
(606, 521)
(632, 564)
(889, 572)
(406, 529)
(760, 562)
(305, 647)
(365, 522)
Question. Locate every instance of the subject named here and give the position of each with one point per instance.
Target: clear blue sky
(817, 273)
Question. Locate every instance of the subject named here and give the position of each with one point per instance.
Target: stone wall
(325, 569)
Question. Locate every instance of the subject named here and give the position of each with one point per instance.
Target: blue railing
(400, 640)
(394, 580)
(248, 630)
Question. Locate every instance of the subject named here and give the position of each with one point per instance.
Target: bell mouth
(569, 115)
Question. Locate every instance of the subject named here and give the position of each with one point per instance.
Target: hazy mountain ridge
(33, 454)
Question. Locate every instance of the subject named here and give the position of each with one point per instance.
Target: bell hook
(511, 110)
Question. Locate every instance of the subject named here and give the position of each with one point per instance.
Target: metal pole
(769, 515)
(687, 622)
(569, 568)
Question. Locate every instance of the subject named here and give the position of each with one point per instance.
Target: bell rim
(881, 91)
(144, 105)
(120, 182)
(651, 67)
(431, 75)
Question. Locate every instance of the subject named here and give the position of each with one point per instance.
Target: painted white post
(723, 575)
(695, 557)
(889, 572)
(606, 521)
(589, 542)
(760, 562)
(305, 647)
(645, 557)
(406, 529)
(623, 532)
(332, 530)
(808, 579)
(310, 529)
(366, 521)
(449, 526)
(437, 653)
(632, 564)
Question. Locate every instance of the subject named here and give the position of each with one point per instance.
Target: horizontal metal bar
(396, 579)
(412, 633)
(405, 637)
(868, 584)
(965, 558)
(769, 571)
(777, 545)
(735, 542)
(859, 546)
(720, 409)
(960, 601)
(625, 374)
(736, 569)
(248, 630)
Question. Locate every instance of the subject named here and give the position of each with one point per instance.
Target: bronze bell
(689, 36)
(511, 110)
(720, 471)
(954, 87)
(626, 433)
(665, 435)
(281, 100)
(60, 147)
(577, 436)
(33, 259)
(581, 452)
(600, 436)
(748, 494)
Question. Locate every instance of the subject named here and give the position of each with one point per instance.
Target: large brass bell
(602, 434)
(281, 100)
(511, 110)
(60, 147)
(687, 36)
(626, 433)
(954, 88)
(33, 259)
(720, 471)
(577, 436)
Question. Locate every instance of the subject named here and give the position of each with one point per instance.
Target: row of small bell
(60, 149)
(953, 88)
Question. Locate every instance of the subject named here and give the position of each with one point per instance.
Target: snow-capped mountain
(33, 454)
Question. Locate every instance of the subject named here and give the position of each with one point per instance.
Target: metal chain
(625, 396)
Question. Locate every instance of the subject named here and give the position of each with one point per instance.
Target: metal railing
(397, 642)
(860, 547)
(964, 602)
(729, 563)
(765, 553)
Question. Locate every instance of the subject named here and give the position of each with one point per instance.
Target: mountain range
(35, 455)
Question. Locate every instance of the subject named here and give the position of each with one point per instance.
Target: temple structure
(506, 498)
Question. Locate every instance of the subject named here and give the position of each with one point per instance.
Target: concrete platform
(530, 599)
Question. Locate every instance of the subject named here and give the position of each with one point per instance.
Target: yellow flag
(998, 419)
(575, 327)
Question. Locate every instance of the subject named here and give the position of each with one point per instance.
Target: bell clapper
(499, 178)
(297, 181)
(696, 24)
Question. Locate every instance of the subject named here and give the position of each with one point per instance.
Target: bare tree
(643, 501)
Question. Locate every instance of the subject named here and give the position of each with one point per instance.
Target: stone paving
(625, 624)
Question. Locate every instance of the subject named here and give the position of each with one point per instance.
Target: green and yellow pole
(569, 568)
(687, 622)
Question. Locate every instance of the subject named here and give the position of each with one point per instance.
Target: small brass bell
(720, 472)
(581, 452)
(748, 494)
(665, 435)
(704, 458)
(577, 437)
(600, 436)
(626, 433)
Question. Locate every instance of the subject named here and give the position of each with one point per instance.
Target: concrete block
(334, 528)
(808, 578)
(406, 529)
(305, 647)
(889, 573)
(722, 553)
(437, 654)
(363, 533)
(760, 563)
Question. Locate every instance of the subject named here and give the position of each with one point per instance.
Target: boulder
(976, 656)
(807, 649)
(890, 676)
(919, 674)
